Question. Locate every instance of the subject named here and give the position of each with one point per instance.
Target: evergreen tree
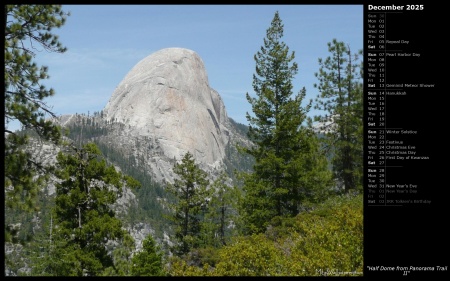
(191, 193)
(27, 27)
(222, 212)
(84, 223)
(341, 98)
(283, 142)
(122, 258)
(149, 261)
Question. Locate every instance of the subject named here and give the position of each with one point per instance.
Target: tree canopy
(27, 29)
(191, 194)
(289, 167)
(149, 261)
(84, 222)
(341, 100)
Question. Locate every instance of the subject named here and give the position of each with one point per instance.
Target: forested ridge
(290, 204)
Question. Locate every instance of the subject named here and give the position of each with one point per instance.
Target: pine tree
(27, 27)
(222, 211)
(84, 223)
(341, 98)
(281, 135)
(122, 258)
(149, 261)
(191, 192)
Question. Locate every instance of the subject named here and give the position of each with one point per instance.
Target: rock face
(166, 98)
(163, 108)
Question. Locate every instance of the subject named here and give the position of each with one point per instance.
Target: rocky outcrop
(163, 108)
(166, 99)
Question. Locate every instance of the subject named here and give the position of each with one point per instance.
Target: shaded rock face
(167, 98)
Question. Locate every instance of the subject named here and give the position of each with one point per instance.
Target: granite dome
(167, 97)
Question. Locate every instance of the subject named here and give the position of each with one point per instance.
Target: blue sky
(105, 41)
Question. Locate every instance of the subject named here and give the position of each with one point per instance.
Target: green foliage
(237, 161)
(329, 239)
(27, 27)
(190, 193)
(255, 208)
(84, 222)
(22, 180)
(341, 98)
(121, 253)
(148, 209)
(179, 267)
(289, 167)
(221, 213)
(250, 256)
(205, 256)
(29, 234)
(326, 240)
(149, 261)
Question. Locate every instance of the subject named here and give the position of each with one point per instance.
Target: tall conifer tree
(286, 151)
(84, 223)
(222, 212)
(149, 261)
(190, 191)
(27, 27)
(341, 99)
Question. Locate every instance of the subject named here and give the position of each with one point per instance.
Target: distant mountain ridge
(163, 108)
